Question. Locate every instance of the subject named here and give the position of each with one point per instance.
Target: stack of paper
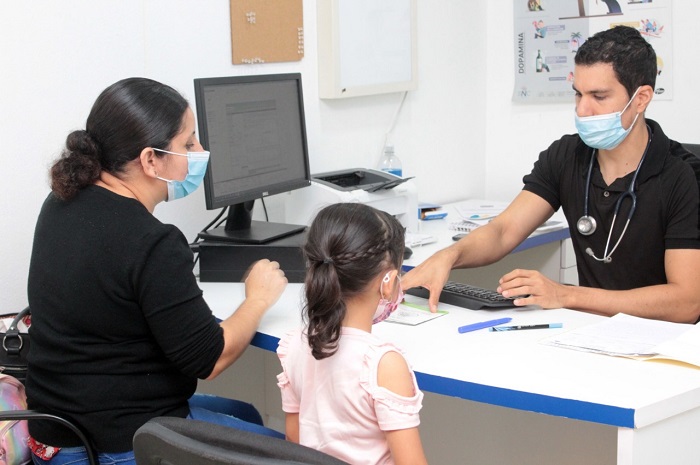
(630, 336)
(480, 212)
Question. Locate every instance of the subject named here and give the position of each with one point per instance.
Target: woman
(120, 332)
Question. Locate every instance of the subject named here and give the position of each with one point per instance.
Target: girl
(344, 391)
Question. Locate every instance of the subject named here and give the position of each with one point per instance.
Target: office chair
(180, 441)
(693, 148)
(18, 415)
(17, 360)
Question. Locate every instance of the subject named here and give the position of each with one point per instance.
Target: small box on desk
(430, 211)
(229, 261)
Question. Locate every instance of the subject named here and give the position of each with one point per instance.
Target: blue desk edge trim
(265, 341)
(538, 403)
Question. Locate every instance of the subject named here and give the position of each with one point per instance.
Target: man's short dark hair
(633, 59)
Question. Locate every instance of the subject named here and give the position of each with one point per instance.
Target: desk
(647, 413)
(549, 252)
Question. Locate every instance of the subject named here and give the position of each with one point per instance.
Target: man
(630, 200)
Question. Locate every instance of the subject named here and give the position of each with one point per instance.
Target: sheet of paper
(621, 335)
(684, 348)
(480, 210)
(414, 239)
(412, 314)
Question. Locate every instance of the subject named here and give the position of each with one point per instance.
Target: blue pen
(483, 324)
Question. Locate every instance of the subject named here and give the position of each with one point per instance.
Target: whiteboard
(366, 47)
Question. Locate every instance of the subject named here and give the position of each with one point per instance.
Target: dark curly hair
(347, 246)
(127, 117)
(633, 59)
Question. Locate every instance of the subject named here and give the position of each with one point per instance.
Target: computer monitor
(255, 129)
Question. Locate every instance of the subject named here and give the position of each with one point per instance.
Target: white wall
(458, 132)
(517, 133)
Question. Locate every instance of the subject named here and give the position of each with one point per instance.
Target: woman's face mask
(386, 307)
(196, 167)
(604, 131)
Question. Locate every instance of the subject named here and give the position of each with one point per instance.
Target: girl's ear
(391, 284)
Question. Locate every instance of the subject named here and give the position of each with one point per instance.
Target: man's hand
(432, 274)
(539, 289)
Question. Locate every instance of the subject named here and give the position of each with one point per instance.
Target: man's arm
(678, 300)
(483, 246)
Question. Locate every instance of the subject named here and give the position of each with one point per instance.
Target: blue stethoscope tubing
(586, 225)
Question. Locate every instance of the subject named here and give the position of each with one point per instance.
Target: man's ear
(644, 96)
(149, 162)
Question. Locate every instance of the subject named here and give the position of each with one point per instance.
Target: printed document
(626, 336)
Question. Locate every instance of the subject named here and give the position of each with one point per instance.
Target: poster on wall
(548, 33)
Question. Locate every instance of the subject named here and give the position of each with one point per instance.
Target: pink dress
(342, 410)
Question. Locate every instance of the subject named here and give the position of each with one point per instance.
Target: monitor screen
(255, 129)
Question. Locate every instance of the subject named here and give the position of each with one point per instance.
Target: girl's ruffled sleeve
(290, 400)
(393, 411)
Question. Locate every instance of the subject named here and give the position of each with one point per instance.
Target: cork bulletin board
(264, 31)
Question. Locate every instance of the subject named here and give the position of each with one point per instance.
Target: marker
(516, 328)
(483, 324)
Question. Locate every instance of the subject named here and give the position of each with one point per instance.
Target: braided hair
(347, 246)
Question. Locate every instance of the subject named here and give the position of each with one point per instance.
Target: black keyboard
(464, 295)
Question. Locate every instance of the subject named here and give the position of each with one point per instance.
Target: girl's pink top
(342, 411)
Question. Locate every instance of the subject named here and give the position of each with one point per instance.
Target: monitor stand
(260, 232)
(241, 229)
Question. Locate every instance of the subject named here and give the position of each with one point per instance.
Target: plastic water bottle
(390, 162)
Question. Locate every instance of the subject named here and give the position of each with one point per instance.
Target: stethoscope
(586, 225)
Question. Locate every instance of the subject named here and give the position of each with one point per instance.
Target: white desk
(543, 251)
(649, 411)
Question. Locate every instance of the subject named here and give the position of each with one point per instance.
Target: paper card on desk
(414, 239)
(412, 314)
(480, 210)
(621, 335)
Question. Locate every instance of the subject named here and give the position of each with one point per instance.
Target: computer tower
(221, 261)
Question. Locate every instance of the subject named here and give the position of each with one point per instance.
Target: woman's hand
(265, 282)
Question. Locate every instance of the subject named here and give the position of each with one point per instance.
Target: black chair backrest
(693, 148)
(19, 415)
(180, 441)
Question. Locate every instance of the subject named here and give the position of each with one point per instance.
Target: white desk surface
(440, 230)
(510, 369)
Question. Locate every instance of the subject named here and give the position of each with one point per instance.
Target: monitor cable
(194, 245)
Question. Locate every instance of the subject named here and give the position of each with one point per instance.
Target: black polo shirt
(666, 214)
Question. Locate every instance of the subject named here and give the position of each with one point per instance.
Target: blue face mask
(196, 167)
(604, 131)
